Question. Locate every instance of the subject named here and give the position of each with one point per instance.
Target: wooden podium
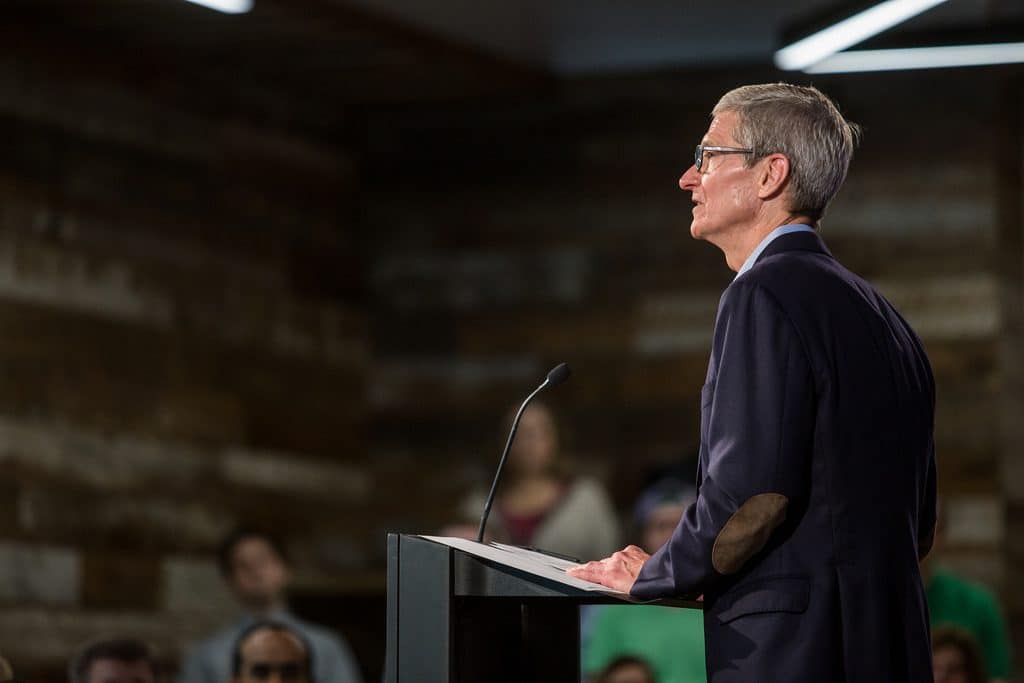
(465, 612)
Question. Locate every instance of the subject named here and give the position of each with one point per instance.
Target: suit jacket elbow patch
(747, 531)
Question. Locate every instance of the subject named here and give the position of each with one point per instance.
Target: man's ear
(774, 176)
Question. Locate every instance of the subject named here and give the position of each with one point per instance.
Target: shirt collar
(769, 238)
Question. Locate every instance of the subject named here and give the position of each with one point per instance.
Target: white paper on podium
(526, 560)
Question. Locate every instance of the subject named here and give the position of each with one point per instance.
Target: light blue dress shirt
(769, 238)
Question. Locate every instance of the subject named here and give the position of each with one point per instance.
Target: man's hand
(618, 572)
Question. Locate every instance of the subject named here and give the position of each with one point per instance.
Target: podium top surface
(529, 561)
(524, 567)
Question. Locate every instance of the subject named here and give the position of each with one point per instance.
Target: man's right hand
(618, 572)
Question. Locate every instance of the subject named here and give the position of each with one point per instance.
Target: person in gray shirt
(256, 569)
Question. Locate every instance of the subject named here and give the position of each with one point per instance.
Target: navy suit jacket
(816, 482)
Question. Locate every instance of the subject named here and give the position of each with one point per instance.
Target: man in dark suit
(816, 479)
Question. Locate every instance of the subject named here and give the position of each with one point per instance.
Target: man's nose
(690, 179)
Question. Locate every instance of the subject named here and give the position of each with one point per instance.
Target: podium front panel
(455, 617)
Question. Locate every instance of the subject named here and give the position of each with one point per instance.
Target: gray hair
(803, 124)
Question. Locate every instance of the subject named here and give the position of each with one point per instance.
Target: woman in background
(539, 503)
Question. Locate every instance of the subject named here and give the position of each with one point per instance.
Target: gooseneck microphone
(558, 374)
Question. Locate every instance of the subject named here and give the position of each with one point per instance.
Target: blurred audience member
(255, 567)
(540, 504)
(955, 601)
(627, 670)
(6, 673)
(956, 657)
(671, 639)
(114, 661)
(270, 652)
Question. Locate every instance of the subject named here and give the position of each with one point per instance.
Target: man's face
(118, 671)
(259, 575)
(536, 442)
(724, 191)
(629, 673)
(273, 657)
(950, 666)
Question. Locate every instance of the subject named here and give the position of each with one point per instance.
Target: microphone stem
(504, 457)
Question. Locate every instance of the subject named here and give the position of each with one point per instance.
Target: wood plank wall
(1010, 160)
(207, 321)
(183, 349)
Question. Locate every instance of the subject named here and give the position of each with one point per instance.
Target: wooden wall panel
(184, 348)
(315, 317)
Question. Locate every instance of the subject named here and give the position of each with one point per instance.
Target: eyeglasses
(698, 155)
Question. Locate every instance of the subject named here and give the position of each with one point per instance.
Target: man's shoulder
(224, 637)
(205, 652)
(787, 268)
(803, 276)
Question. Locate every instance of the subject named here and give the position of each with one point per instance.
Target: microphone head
(559, 374)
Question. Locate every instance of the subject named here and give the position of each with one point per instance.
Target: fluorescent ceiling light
(851, 31)
(920, 58)
(226, 6)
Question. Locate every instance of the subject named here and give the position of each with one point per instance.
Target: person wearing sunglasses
(816, 474)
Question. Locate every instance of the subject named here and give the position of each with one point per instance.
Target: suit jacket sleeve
(757, 423)
(928, 514)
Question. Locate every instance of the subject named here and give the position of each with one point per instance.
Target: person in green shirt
(669, 639)
(955, 601)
